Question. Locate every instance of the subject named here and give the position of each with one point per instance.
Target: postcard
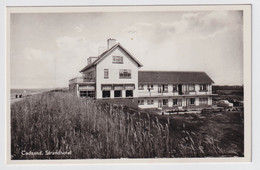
(128, 84)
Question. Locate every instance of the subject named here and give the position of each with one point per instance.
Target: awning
(88, 88)
(106, 87)
(118, 87)
(130, 87)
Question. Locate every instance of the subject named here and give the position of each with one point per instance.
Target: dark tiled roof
(149, 77)
(104, 54)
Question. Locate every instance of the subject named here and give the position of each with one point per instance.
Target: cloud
(206, 41)
(69, 42)
(190, 25)
(209, 24)
(36, 54)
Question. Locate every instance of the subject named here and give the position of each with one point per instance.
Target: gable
(118, 58)
(115, 50)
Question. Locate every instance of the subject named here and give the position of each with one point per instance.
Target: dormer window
(118, 59)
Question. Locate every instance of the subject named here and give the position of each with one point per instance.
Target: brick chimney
(110, 43)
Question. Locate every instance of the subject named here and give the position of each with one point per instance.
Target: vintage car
(224, 103)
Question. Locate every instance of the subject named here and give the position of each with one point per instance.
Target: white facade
(115, 74)
(152, 96)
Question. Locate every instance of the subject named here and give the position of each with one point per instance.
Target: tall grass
(63, 122)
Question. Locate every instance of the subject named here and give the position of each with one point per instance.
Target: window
(150, 102)
(87, 94)
(192, 87)
(140, 87)
(118, 59)
(165, 102)
(125, 74)
(129, 93)
(89, 76)
(150, 87)
(179, 102)
(106, 74)
(165, 88)
(174, 102)
(83, 93)
(174, 88)
(140, 102)
(118, 93)
(159, 88)
(203, 87)
(105, 93)
(192, 101)
(203, 101)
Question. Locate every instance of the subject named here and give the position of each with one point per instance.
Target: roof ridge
(172, 71)
(173, 76)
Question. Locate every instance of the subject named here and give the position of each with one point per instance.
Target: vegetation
(57, 121)
(228, 93)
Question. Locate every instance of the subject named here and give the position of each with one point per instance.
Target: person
(20, 96)
(16, 95)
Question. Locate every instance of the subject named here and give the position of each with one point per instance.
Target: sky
(48, 49)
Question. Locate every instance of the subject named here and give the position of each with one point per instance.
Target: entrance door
(159, 103)
(180, 89)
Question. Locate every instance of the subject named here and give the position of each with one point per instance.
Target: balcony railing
(81, 80)
(145, 93)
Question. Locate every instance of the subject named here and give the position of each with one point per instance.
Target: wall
(170, 102)
(155, 105)
(154, 92)
(73, 88)
(107, 63)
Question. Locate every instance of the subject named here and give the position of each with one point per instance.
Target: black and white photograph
(103, 83)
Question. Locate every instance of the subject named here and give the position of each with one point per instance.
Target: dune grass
(57, 121)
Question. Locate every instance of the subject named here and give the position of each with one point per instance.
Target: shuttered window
(106, 74)
(118, 59)
(125, 74)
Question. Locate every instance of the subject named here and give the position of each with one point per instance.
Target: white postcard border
(247, 66)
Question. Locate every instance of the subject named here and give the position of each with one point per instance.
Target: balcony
(146, 93)
(82, 80)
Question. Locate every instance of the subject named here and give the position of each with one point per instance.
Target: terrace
(81, 80)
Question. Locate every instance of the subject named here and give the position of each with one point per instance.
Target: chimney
(110, 43)
(101, 50)
(91, 59)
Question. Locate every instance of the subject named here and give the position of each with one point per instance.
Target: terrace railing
(81, 80)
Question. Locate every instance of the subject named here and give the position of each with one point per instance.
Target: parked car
(224, 103)
(237, 103)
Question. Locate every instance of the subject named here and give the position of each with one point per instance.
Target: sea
(16, 93)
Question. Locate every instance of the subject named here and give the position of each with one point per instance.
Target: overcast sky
(49, 49)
